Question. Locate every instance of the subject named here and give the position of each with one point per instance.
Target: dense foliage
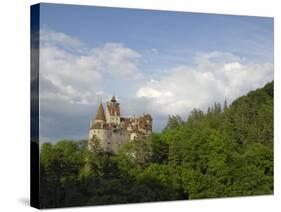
(226, 151)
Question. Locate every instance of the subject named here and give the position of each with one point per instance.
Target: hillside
(229, 150)
(226, 151)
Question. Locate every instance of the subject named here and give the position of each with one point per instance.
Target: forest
(226, 151)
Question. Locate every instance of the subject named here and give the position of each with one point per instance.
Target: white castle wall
(103, 135)
(117, 140)
(110, 141)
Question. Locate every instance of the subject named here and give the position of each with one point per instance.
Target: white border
(15, 76)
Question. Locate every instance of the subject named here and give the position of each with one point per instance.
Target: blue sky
(171, 32)
(160, 61)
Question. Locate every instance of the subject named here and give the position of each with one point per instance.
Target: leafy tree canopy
(223, 152)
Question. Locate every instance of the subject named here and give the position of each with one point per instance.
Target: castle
(113, 131)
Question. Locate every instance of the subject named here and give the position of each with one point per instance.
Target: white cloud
(100, 93)
(232, 66)
(70, 74)
(154, 91)
(49, 38)
(74, 78)
(215, 56)
(214, 77)
(116, 59)
(73, 73)
(155, 51)
(151, 92)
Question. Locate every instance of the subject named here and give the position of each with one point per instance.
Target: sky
(158, 62)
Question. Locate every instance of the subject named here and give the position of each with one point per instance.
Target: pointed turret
(100, 116)
(113, 99)
(113, 107)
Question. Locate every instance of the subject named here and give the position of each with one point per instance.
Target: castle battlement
(113, 131)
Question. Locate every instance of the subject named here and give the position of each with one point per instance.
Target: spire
(113, 99)
(100, 114)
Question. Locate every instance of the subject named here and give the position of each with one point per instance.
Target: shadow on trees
(71, 175)
(109, 186)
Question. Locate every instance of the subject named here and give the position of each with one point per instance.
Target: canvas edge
(34, 104)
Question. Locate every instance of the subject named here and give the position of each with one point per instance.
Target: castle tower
(114, 131)
(113, 99)
(100, 116)
(99, 128)
(113, 112)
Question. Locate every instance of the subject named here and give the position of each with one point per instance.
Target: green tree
(174, 122)
(222, 153)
